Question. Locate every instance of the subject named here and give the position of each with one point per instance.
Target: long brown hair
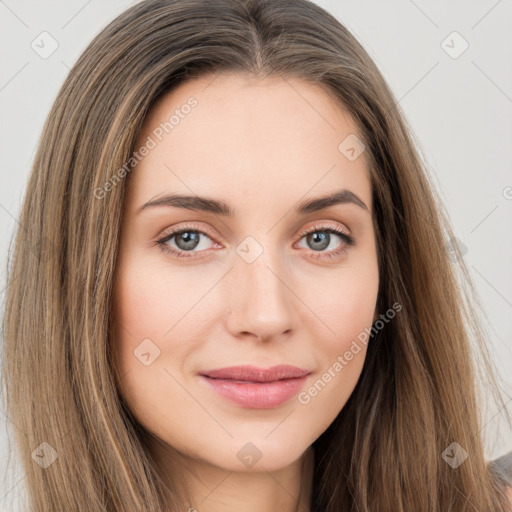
(384, 450)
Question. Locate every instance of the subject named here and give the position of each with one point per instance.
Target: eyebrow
(218, 207)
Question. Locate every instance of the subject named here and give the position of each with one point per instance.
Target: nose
(260, 298)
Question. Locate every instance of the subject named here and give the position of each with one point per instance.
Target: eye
(320, 238)
(188, 238)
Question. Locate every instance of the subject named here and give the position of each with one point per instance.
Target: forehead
(235, 136)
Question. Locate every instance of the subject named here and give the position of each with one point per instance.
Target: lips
(248, 373)
(256, 388)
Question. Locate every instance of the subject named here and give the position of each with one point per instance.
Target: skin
(261, 146)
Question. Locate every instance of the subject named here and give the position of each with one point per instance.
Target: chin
(257, 454)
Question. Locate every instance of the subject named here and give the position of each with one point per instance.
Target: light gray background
(459, 108)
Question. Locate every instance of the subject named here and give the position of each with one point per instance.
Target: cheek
(346, 304)
(149, 299)
(145, 308)
(141, 314)
(154, 309)
(346, 309)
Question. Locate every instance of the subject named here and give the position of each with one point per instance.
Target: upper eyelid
(318, 226)
(323, 226)
(172, 232)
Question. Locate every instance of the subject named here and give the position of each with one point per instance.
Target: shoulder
(502, 468)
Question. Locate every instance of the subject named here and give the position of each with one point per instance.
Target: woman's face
(248, 287)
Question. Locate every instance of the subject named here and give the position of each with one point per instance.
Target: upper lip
(250, 373)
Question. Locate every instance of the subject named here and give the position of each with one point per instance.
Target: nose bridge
(260, 299)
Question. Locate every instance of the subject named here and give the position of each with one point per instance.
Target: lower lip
(256, 395)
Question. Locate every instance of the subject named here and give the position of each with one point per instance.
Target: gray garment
(502, 468)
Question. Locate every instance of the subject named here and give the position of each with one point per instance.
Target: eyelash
(348, 241)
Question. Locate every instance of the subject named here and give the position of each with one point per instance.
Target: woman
(235, 274)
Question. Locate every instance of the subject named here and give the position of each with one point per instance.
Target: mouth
(248, 373)
(256, 388)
